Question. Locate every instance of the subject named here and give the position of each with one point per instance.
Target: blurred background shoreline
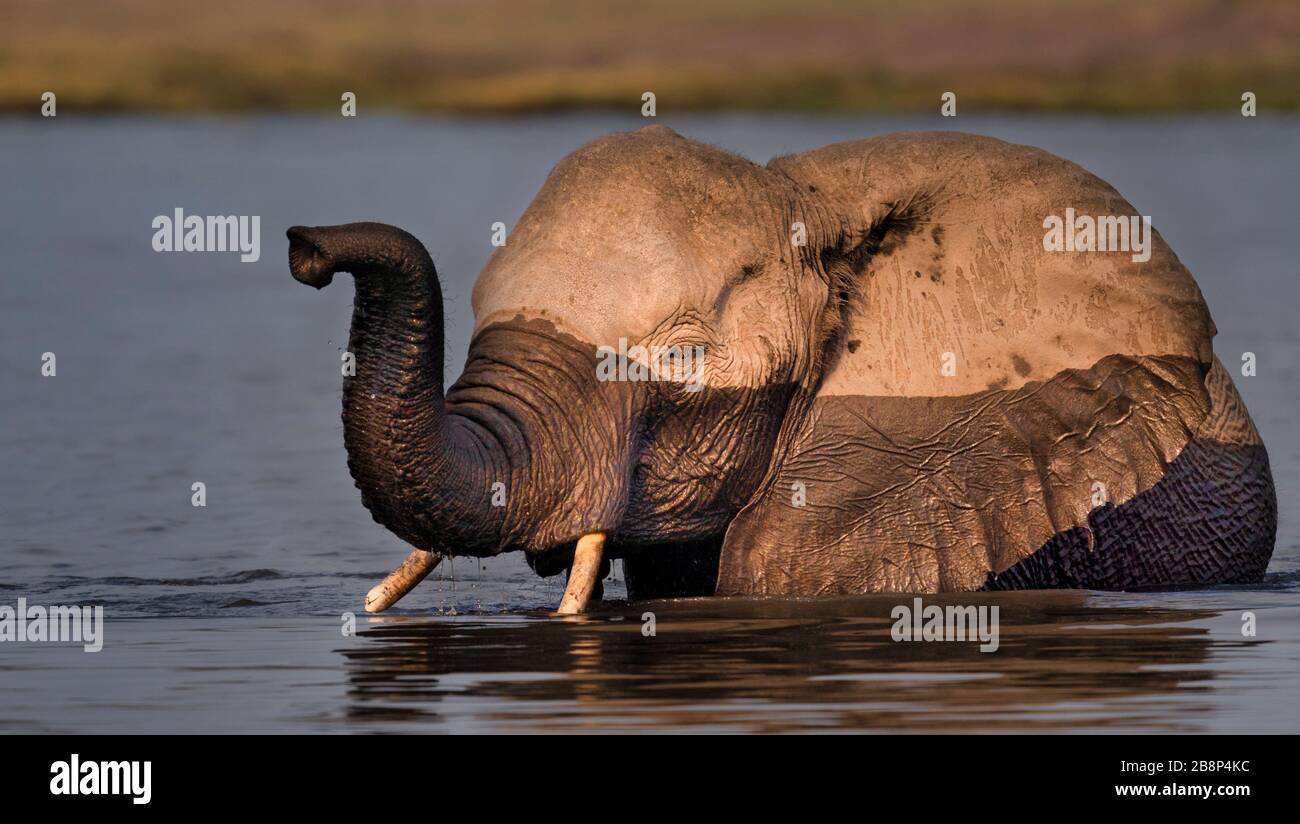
(516, 56)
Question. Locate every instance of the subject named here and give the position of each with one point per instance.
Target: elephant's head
(661, 349)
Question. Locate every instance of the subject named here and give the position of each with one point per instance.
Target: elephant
(900, 386)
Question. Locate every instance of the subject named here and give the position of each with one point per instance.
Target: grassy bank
(516, 55)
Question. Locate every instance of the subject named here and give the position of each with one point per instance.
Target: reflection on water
(791, 665)
(1067, 661)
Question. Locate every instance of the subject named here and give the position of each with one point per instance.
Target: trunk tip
(309, 263)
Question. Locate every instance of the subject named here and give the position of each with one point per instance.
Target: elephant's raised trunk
(401, 453)
(437, 470)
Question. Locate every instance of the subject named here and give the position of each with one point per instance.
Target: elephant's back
(961, 294)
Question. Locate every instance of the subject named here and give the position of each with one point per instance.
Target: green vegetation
(522, 55)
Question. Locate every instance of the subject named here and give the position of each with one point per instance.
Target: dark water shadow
(782, 665)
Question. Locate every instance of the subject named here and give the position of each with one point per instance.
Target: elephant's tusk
(401, 580)
(582, 575)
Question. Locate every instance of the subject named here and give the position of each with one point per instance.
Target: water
(176, 368)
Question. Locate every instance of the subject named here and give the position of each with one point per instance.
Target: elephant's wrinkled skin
(1082, 434)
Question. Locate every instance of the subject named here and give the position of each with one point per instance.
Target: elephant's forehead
(596, 284)
(627, 231)
(617, 265)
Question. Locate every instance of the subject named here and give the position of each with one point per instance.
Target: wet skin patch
(955, 493)
(1211, 519)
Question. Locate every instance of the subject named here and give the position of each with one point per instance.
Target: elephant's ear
(981, 394)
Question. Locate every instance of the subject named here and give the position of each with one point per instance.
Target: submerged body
(903, 386)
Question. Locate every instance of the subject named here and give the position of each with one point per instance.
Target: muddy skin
(955, 408)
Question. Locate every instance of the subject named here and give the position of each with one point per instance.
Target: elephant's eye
(680, 362)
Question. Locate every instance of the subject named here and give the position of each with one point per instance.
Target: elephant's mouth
(674, 569)
(586, 562)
